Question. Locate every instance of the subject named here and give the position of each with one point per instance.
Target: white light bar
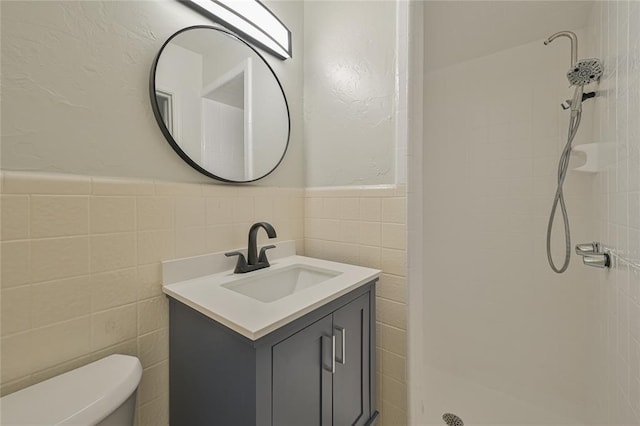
(251, 19)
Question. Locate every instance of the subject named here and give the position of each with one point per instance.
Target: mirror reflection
(220, 105)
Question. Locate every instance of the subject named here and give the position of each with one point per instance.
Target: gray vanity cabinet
(351, 380)
(299, 375)
(311, 382)
(301, 388)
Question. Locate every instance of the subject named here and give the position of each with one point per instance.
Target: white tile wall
(506, 339)
(615, 30)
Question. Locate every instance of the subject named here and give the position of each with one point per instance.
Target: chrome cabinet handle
(333, 354)
(343, 333)
(332, 366)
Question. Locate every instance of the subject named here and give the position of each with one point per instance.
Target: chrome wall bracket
(594, 255)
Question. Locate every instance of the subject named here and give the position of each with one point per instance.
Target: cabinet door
(351, 396)
(302, 378)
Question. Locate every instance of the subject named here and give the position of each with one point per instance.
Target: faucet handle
(241, 266)
(598, 260)
(588, 249)
(262, 258)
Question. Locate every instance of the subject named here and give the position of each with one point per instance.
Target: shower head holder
(567, 104)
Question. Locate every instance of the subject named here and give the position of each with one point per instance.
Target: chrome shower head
(584, 72)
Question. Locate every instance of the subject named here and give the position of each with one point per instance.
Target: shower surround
(506, 340)
(615, 28)
(514, 343)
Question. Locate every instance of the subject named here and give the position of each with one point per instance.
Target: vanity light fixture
(250, 19)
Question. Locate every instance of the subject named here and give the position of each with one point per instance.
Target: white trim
(416, 375)
(402, 90)
(166, 114)
(176, 132)
(354, 187)
(203, 140)
(248, 119)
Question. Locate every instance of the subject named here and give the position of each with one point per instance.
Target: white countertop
(253, 318)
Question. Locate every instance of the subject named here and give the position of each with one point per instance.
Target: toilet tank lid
(83, 396)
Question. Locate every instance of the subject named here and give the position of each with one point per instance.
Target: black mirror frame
(169, 137)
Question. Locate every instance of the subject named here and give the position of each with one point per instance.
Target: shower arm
(574, 44)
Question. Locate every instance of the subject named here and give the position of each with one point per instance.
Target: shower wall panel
(506, 339)
(615, 27)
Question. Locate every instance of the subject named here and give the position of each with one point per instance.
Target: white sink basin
(274, 285)
(259, 302)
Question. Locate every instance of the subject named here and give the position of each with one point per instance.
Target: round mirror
(219, 104)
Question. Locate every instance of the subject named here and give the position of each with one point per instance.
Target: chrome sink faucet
(254, 261)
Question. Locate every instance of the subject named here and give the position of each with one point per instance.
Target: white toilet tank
(101, 393)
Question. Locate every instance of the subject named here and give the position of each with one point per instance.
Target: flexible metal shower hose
(563, 167)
